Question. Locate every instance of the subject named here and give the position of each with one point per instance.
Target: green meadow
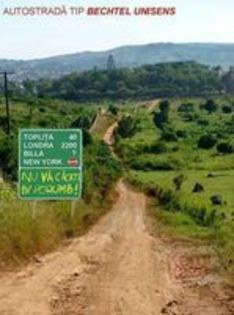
(192, 147)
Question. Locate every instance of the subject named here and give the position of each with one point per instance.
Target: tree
(225, 148)
(164, 107)
(110, 64)
(228, 80)
(160, 118)
(210, 106)
(127, 126)
(168, 133)
(227, 109)
(113, 109)
(207, 141)
(178, 181)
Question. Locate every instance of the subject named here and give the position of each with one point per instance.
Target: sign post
(50, 164)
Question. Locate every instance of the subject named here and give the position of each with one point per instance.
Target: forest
(174, 79)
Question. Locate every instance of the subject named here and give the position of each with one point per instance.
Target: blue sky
(36, 37)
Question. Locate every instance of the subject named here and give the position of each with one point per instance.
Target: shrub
(146, 164)
(225, 148)
(158, 147)
(178, 181)
(87, 138)
(127, 127)
(198, 188)
(216, 200)
(160, 118)
(113, 109)
(186, 107)
(207, 141)
(83, 121)
(227, 109)
(8, 156)
(203, 122)
(210, 106)
(169, 134)
(181, 133)
(164, 107)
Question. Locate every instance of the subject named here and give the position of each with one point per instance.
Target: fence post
(73, 208)
(34, 209)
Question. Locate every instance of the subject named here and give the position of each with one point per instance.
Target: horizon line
(114, 48)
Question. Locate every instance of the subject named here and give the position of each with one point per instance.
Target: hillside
(125, 56)
(144, 82)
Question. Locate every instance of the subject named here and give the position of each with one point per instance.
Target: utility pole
(5, 75)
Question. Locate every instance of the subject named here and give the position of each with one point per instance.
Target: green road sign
(50, 164)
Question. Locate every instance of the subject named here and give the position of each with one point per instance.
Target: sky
(38, 37)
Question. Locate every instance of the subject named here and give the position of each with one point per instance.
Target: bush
(127, 127)
(8, 156)
(113, 109)
(210, 106)
(227, 109)
(186, 107)
(178, 181)
(169, 134)
(207, 141)
(225, 148)
(181, 133)
(83, 121)
(157, 148)
(161, 118)
(203, 122)
(153, 163)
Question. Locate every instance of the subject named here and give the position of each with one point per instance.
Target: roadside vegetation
(182, 155)
(22, 235)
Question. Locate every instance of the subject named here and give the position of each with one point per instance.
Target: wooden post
(73, 208)
(34, 209)
(6, 92)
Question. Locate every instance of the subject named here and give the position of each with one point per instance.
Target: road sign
(50, 164)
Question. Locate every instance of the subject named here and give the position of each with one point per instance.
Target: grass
(180, 224)
(184, 151)
(220, 184)
(182, 213)
(22, 235)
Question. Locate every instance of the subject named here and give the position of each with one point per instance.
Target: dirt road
(108, 137)
(117, 268)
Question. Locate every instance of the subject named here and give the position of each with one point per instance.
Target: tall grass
(24, 233)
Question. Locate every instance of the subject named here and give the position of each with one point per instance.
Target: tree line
(145, 82)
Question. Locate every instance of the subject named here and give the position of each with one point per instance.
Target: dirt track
(117, 268)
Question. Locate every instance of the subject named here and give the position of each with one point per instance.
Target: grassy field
(220, 184)
(154, 161)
